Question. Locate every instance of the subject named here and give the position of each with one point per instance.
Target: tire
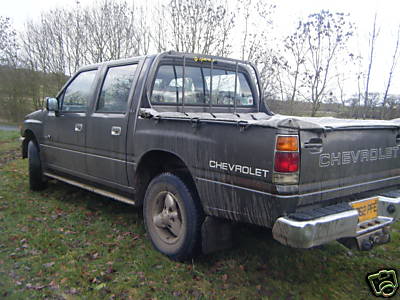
(173, 217)
(36, 181)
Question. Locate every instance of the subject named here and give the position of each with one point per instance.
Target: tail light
(287, 159)
(286, 162)
(287, 143)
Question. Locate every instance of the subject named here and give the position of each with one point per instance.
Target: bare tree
(160, 34)
(327, 35)
(9, 46)
(259, 46)
(115, 30)
(200, 26)
(296, 50)
(64, 39)
(246, 6)
(73, 33)
(270, 64)
(8, 69)
(395, 58)
(258, 25)
(370, 107)
(393, 103)
(44, 42)
(372, 40)
(343, 77)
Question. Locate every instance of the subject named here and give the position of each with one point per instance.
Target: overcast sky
(287, 15)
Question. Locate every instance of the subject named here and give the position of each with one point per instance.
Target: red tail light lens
(286, 162)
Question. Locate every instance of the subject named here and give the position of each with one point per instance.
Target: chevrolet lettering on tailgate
(359, 156)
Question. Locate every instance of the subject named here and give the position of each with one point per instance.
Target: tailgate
(349, 160)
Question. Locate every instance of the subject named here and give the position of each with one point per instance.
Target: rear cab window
(201, 84)
(115, 89)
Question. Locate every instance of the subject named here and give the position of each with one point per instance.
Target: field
(66, 243)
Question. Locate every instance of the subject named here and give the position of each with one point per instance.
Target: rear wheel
(36, 181)
(172, 217)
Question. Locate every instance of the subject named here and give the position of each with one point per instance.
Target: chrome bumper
(307, 234)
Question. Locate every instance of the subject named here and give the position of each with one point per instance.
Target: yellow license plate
(367, 209)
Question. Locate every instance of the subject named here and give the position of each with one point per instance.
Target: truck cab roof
(207, 63)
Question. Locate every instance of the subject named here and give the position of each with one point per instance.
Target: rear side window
(165, 86)
(115, 90)
(223, 87)
(168, 85)
(76, 95)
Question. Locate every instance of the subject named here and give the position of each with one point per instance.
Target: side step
(91, 188)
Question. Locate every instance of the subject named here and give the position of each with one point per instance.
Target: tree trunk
(371, 57)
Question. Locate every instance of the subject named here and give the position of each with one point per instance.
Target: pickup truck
(191, 140)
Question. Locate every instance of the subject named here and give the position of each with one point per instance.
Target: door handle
(78, 127)
(314, 145)
(398, 139)
(115, 130)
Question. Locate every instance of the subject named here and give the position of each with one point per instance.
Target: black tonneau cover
(276, 121)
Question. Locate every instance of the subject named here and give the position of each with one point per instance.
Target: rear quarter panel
(240, 187)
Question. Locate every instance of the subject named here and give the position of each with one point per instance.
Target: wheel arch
(155, 162)
(28, 136)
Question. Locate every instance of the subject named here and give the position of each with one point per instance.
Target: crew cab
(191, 140)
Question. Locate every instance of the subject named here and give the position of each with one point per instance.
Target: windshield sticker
(202, 59)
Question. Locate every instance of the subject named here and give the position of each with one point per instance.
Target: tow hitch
(366, 242)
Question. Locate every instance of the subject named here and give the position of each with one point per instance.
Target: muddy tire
(173, 217)
(36, 180)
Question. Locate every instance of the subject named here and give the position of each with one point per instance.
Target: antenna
(211, 71)
(234, 97)
(183, 84)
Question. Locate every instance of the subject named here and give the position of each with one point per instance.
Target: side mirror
(52, 104)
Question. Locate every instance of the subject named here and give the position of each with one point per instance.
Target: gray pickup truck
(190, 139)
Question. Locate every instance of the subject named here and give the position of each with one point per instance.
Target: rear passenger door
(107, 126)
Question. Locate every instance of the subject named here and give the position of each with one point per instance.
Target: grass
(66, 243)
(9, 146)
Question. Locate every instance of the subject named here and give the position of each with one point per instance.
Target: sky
(362, 14)
(286, 16)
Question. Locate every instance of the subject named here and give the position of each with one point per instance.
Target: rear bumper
(321, 230)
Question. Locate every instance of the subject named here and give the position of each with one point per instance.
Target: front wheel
(173, 217)
(36, 181)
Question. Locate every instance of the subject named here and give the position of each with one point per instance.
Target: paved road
(8, 127)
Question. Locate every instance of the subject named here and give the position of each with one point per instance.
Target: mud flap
(216, 235)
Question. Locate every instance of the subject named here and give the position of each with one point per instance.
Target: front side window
(168, 85)
(115, 90)
(76, 95)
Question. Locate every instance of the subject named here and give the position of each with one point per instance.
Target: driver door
(65, 132)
